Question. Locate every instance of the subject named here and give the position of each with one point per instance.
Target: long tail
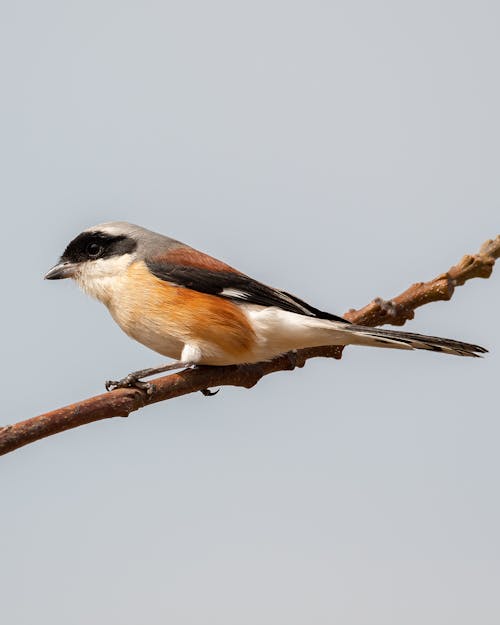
(363, 335)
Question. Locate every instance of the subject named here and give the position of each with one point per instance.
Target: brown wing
(188, 256)
(187, 267)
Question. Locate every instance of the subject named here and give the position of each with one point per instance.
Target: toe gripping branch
(134, 379)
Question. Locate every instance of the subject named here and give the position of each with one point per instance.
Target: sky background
(338, 150)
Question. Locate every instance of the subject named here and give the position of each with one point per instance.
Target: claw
(206, 392)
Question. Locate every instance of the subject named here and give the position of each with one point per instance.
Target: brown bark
(121, 402)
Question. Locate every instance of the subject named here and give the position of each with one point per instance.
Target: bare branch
(121, 402)
(402, 308)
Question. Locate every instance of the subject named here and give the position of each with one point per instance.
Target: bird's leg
(134, 379)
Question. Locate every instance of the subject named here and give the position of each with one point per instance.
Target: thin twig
(121, 402)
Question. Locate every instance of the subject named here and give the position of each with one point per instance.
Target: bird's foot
(134, 379)
(130, 381)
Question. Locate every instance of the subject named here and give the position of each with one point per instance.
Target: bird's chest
(148, 316)
(166, 317)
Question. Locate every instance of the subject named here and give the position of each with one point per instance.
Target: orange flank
(157, 309)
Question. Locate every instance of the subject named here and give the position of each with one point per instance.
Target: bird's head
(99, 256)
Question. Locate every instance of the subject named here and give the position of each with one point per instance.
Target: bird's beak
(60, 271)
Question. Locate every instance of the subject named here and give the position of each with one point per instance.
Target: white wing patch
(280, 296)
(234, 293)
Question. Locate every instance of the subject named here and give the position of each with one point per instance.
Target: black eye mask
(93, 245)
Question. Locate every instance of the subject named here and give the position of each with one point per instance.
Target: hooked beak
(60, 271)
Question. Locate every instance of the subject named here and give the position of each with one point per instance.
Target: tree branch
(121, 402)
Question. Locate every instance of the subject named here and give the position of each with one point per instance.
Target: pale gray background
(340, 150)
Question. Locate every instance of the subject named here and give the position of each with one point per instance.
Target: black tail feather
(410, 340)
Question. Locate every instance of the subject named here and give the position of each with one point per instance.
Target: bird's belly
(155, 336)
(182, 324)
(166, 340)
(161, 342)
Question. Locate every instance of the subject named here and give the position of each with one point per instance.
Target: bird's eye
(94, 250)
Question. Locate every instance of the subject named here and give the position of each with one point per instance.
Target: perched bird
(196, 309)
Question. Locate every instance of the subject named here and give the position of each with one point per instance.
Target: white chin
(100, 278)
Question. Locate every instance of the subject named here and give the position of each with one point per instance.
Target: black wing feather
(239, 287)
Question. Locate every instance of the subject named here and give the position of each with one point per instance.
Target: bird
(197, 310)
